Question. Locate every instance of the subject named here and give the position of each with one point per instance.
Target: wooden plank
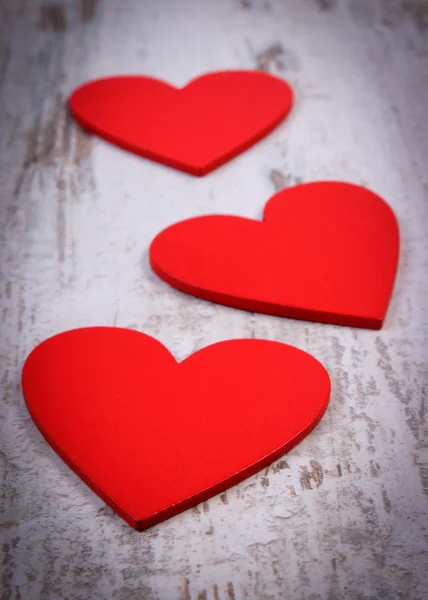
(344, 514)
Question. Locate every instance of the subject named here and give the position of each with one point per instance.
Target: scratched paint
(343, 515)
(86, 10)
(53, 16)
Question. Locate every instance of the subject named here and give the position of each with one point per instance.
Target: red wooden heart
(325, 251)
(152, 436)
(197, 128)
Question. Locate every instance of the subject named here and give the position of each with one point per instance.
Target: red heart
(153, 437)
(325, 251)
(197, 128)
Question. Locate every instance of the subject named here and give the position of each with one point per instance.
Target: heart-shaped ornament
(196, 128)
(152, 436)
(325, 251)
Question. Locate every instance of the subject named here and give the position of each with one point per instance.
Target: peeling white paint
(345, 516)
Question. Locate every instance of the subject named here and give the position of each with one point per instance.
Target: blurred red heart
(325, 251)
(195, 129)
(153, 437)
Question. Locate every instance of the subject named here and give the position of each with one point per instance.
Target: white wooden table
(346, 515)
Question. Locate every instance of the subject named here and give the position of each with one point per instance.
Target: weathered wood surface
(344, 515)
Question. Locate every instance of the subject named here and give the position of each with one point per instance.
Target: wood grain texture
(344, 514)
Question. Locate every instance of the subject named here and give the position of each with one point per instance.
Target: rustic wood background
(344, 515)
